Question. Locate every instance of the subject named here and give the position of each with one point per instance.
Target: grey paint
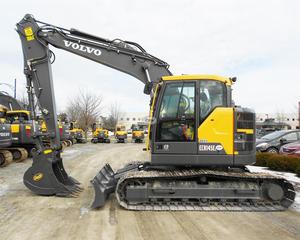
(124, 56)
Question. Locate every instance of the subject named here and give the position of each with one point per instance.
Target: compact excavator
(120, 133)
(200, 142)
(137, 133)
(100, 135)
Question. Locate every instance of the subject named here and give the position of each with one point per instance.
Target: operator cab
(195, 120)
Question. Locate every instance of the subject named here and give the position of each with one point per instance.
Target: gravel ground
(27, 216)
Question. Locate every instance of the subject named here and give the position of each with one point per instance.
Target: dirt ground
(27, 216)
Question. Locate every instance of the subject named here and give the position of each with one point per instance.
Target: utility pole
(15, 89)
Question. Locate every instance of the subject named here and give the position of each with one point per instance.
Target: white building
(128, 119)
(291, 119)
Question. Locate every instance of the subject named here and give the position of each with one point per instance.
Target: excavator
(21, 125)
(6, 156)
(18, 152)
(76, 134)
(100, 135)
(199, 142)
(137, 133)
(120, 133)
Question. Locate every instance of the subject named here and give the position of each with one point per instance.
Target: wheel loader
(100, 135)
(199, 141)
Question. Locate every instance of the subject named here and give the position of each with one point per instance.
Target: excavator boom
(47, 175)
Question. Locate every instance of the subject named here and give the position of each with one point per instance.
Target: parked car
(291, 149)
(272, 142)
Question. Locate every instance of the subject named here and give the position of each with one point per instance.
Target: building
(128, 119)
(291, 119)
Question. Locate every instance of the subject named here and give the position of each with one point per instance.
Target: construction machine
(9, 150)
(6, 156)
(21, 124)
(137, 133)
(100, 135)
(200, 142)
(77, 134)
(120, 133)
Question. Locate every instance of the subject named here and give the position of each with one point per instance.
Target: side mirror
(283, 140)
(148, 88)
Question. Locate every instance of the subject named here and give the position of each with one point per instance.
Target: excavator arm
(47, 175)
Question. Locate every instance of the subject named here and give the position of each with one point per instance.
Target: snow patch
(291, 177)
(3, 189)
(83, 211)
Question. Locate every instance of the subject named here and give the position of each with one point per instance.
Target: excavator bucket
(47, 176)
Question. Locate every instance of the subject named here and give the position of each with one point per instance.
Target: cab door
(175, 133)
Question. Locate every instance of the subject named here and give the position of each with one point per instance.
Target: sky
(256, 41)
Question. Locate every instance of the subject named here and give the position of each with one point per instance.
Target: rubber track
(8, 157)
(24, 154)
(249, 206)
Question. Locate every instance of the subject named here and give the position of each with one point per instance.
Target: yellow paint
(98, 130)
(247, 131)
(151, 117)
(218, 128)
(48, 151)
(37, 177)
(198, 77)
(27, 127)
(29, 33)
(19, 111)
(15, 128)
(137, 133)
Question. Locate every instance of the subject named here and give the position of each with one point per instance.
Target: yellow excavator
(21, 124)
(137, 133)
(100, 135)
(8, 150)
(63, 133)
(6, 156)
(199, 142)
(76, 134)
(120, 133)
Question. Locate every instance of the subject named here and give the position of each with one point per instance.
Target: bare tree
(114, 115)
(23, 99)
(85, 109)
(280, 116)
(73, 110)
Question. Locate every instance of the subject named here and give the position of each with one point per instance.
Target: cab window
(176, 121)
(212, 94)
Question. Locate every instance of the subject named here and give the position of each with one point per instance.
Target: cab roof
(226, 80)
(18, 111)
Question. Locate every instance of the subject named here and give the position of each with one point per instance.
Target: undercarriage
(141, 186)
